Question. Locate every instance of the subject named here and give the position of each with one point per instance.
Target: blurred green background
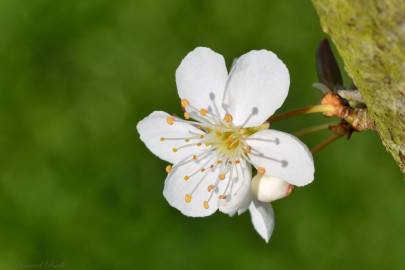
(77, 187)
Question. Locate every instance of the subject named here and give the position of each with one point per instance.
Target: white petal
(201, 79)
(155, 126)
(176, 188)
(262, 215)
(258, 83)
(240, 195)
(283, 156)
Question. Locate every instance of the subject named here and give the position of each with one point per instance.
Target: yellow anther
(186, 140)
(203, 112)
(162, 139)
(170, 120)
(174, 149)
(221, 176)
(218, 133)
(228, 118)
(261, 170)
(222, 197)
(186, 178)
(219, 161)
(186, 115)
(205, 204)
(237, 161)
(184, 103)
(248, 149)
(211, 188)
(212, 166)
(195, 157)
(188, 198)
(199, 144)
(169, 168)
(202, 136)
(208, 129)
(202, 170)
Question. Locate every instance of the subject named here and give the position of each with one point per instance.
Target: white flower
(212, 154)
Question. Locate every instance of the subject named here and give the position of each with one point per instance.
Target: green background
(79, 190)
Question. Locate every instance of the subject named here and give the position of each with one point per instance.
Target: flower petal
(155, 127)
(262, 215)
(240, 195)
(257, 86)
(283, 156)
(201, 79)
(190, 190)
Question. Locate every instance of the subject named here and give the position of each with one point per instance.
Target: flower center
(229, 142)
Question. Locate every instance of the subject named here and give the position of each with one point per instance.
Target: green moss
(370, 37)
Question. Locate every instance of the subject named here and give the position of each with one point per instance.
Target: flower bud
(269, 188)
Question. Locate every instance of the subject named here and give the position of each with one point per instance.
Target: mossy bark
(370, 37)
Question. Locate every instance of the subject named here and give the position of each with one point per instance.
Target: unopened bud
(269, 188)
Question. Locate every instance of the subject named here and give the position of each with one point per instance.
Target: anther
(261, 170)
(194, 157)
(202, 170)
(211, 188)
(185, 103)
(222, 197)
(170, 120)
(186, 140)
(202, 136)
(221, 176)
(174, 149)
(188, 198)
(203, 112)
(228, 118)
(205, 204)
(186, 178)
(186, 115)
(168, 168)
(237, 161)
(199, 144)
(162, 139)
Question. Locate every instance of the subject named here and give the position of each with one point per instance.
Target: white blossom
(224, 134)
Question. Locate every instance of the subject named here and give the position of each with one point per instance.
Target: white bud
(269, 188)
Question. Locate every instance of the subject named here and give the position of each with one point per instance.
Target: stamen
(228, 118)
(186, 178)
(170, 120)
(186, 115)
(188, 198)
(221, 176)
(203, 112)
(205, 204)
(185, 103)
(168, 168)
(284, 163)
(211, 188)
(261, 170)
(254, 112)
(276, 140)
(212, 97)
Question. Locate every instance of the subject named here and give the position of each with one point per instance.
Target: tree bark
(370, 37)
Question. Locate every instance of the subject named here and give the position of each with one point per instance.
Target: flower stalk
(320, 108)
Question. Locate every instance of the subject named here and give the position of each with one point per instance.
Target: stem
(310, 130)
(325, 143)
(301, 111)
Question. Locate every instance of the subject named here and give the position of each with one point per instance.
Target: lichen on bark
(370, 38)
